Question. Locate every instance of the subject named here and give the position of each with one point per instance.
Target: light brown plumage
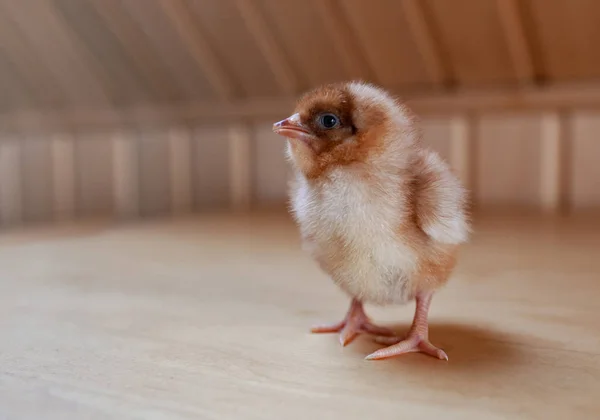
(381, 214)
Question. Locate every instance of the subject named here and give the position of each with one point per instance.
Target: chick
(379, 213)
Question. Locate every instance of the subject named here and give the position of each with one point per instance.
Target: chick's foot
(355, 322)
(411, 344)
(417, 339)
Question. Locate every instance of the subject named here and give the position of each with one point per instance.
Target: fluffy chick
(381, 215)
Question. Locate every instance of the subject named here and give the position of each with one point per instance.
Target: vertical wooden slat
(94, 167)
(509, 161)
(11, 210)
(272, 170)
(240, 167)
(180, 169)
(36, 161)
(436, 133)
(63, 176)
(211, 168)
(585, 170)
(462, 149)
(155, 180)
(125, 174)
(551, 149)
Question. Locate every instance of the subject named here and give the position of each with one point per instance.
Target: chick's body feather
(386, 226)
(382, 237)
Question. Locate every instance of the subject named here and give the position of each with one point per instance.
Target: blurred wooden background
(153, 107)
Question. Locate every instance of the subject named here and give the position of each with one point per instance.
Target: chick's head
(340, 124)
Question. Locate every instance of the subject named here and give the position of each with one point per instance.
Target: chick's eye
(328, 120)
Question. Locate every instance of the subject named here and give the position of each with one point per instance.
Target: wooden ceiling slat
(233, 43)
(41, 84)
(382, 30)
(300, 30)
(51, 41)
(568, 32)
(472, 36)
(113, 54)
(138, 47)
(516, 39)
(343, 39)
(269, 46)
(182, 17)
(109, 60)
(14, 92)
(427, 44)
(171, 52)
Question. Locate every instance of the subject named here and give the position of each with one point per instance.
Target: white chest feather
(351, 228)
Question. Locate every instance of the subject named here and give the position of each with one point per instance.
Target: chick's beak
(292, 128)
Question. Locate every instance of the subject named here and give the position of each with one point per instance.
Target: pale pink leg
(417, 339)
(354, 323)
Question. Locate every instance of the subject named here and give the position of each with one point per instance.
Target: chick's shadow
(469, 349)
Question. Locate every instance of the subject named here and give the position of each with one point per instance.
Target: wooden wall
(541, 160)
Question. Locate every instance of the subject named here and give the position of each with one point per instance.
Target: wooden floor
(209, 319)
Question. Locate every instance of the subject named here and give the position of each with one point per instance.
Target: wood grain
(210, 319)
(509, 161)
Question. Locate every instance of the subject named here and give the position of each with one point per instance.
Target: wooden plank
(198, 46)
(180, 168)
(551, 151)
(94, 160)
(271, 170)
(63, 175)
(302, 34)
(268, 45)
(585, 170)
(15, 92)
(11, 190)
(36, 184)
(509, 161)
(581, 97)
(343, 38)
(241, 161)
(172, 53)
(474, 42)
(423, 36)
(436, 132)
(155, 175)
(126, 174)
(516, 40)
(463, 149)
(568, 37)
(30, 67)
(225, 30)
(104, 54)
(396, 64)
(45, 31)
(211, 163)
(138, 48)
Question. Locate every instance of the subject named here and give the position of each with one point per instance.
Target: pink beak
(292, 128)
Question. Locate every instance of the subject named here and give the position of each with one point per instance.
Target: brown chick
(381, 215)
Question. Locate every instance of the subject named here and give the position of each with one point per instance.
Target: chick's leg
(417, 339)
(354, 323)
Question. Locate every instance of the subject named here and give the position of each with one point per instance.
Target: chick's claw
(412, 344)
(356, 322)
(417, 339)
